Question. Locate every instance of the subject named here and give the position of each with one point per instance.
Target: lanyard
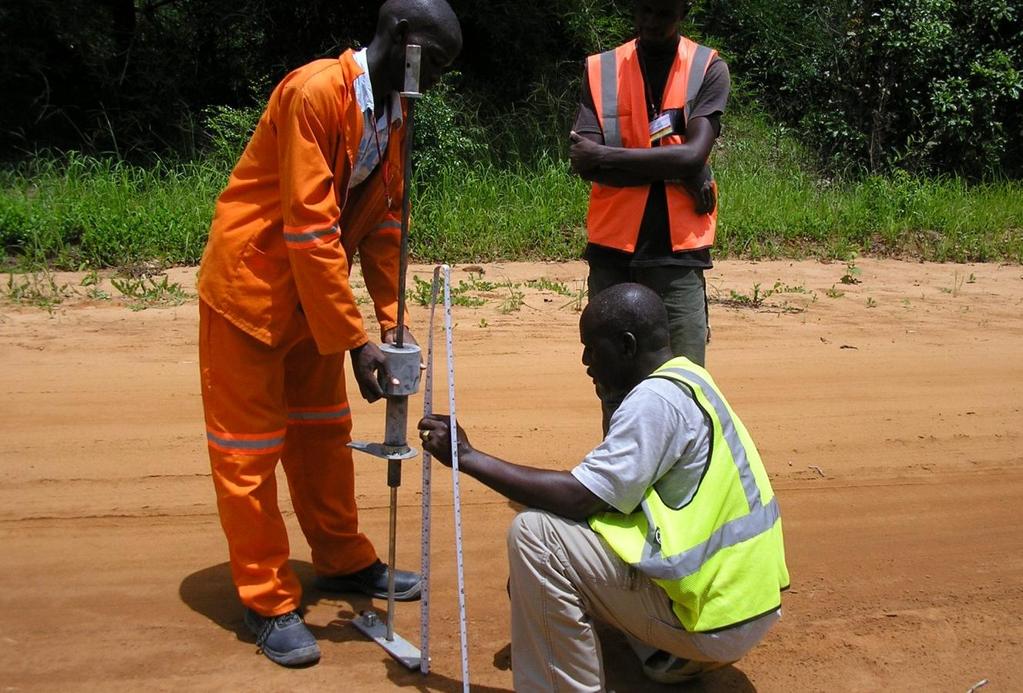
(651, 105)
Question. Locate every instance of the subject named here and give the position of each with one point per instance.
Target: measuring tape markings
(424, 661)
(424, 613)
(459, 563)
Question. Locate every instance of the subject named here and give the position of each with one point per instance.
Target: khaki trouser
(563, 578)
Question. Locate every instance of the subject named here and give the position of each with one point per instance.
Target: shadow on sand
(211, 592)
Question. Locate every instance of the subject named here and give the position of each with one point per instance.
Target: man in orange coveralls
(319, 182)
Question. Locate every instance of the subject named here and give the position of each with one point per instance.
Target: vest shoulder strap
(698, 66)
(602, 72)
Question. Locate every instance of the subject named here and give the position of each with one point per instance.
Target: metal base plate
(384, 451)
(401, 649)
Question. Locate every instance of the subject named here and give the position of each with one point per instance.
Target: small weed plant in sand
(834, 292)
(146, 292)
(852, 273)
(957, 284)
(513, 301)
(477, 291)
(754, 299)
(91, 284)
(39, 289)
(757, 298)
(578, 298)
(783, 288)
(422, 291)
(545, 284)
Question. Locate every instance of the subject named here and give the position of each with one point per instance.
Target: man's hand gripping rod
(402, 364)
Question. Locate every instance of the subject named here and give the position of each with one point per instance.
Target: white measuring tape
(424, 632)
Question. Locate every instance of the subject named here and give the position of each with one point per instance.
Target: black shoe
(284, 639)
(373, 581)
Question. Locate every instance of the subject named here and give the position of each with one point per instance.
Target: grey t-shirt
(658, 437)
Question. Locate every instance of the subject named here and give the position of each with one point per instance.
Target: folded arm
(600, 163)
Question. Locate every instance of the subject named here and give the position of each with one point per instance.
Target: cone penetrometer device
(403, 364)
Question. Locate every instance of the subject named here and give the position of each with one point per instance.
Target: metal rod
(390, 566)
(410, 105)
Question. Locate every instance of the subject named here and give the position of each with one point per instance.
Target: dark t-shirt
(653, 245)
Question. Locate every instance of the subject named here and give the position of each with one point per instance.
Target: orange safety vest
(286, 228)
(619, 97)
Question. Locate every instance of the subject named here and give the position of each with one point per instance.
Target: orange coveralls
(277, 314)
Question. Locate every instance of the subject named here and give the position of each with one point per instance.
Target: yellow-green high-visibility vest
(720, 557)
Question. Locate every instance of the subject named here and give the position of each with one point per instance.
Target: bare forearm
(555, 491)
(614, 179)
(672, 162)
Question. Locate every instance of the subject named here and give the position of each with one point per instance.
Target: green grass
(488, 213)
(76, 212)
(774, 203)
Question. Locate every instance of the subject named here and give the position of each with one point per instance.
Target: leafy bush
(924, 85)
(446, 131)
(229, 129)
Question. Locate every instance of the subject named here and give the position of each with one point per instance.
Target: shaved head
(434, 18)
(624, 331)
(629, 308)
(429, 24)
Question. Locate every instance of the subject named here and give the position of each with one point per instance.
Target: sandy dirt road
(890, 418)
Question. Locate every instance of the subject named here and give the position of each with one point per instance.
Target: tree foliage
(922, 85)
(928, 86)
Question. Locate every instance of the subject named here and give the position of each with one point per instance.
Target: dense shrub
(923, 85)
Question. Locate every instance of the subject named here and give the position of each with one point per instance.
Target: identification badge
(661, 126)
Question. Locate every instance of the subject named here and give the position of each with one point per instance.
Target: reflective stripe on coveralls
(619, 97)
(720, 557)
(307, 416)
(309, 239)
(246, 443)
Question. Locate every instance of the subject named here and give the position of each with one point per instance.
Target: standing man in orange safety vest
(319, 182)
(648, 118)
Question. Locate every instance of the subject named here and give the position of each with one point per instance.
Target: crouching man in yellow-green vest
(668, 530)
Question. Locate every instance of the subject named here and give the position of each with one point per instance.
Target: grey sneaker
(283, 639)
(665, 667)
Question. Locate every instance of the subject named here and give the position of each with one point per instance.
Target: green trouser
(684, 292)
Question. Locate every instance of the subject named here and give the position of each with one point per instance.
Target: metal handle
(413, 60)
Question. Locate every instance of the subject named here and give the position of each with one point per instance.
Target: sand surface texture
(888, 411)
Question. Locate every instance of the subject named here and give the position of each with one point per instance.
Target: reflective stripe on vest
(738, 450)
(619, 97)
(660, 567)
(697, 71)
(609, 99)
(760, 518)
